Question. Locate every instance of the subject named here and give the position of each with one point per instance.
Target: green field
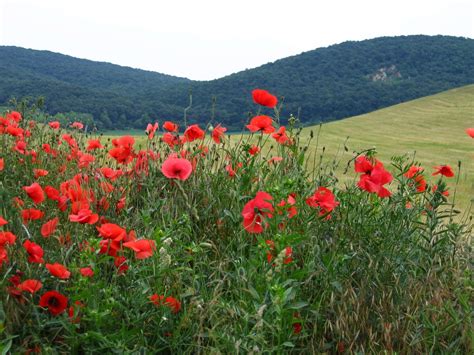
(433, 127)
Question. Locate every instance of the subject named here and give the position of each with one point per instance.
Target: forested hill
(324, 84)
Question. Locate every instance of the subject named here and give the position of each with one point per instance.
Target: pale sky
(208, 39)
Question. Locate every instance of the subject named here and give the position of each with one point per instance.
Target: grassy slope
(433, 127)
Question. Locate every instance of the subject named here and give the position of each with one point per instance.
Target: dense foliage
(320, 85)
(189, 242)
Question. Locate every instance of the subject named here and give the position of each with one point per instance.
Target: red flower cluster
(35, 192)
(374, 176)
(218, 133)
(170, 126)
(171, 302)
(323, 199)
(143, 248)
(55, 302)
(281, 136)
(264, 98)
(193, 132)
(58, 270)
(123, 149)
(262, 124)
(414, 173)
(177, 168)
(151, 129)
(444, 170)
(256, 211)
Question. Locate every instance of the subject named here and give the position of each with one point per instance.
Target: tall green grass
(375, 275)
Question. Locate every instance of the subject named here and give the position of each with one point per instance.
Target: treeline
(320, 85)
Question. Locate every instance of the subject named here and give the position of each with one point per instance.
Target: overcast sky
(208, 39)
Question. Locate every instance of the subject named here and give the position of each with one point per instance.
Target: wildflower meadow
(192, 240)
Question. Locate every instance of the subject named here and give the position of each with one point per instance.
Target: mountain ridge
(324, 84)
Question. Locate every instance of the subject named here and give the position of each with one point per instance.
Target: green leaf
(298, 305)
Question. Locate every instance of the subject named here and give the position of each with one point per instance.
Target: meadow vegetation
(199, 242)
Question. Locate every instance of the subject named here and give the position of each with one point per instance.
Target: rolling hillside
(433, 127)
(321, 85)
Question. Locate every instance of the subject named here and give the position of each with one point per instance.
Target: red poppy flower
(173, 303)
(274, 160)
(120, 204)
(363, 165)
(14, 131)
(170, 126)
(374, 181)
(83, 216)
(75, 310)
(7, 238)
(169, 301)
(58, 270)
(143, 248)
(109, 247)
(35, 252)
(20, 147)
(435, 188)
(253, 150)
(281, 136)
(288, 255)
(177, 168)
(31, 214)
(17, 202)
(218, 133)
(54, 301)
(87, 272)
(170, 139)
(193, 132)
(54, 124)
(297, 328)
(49, 227)
(120, 263)
(264, 98)
(77, 125)
(469, 131)
(30, 286)
(3, 221)
(445, 170)
(85, 160)
(123, 152)
(255, 211)
(110, 173)
(151, 129)
(112, 231)
(40, 172)
(374, 176)
(15, 116)
(35, 192)
(3, 256)
(51, 193)
(2, 164)
(323, 199)
(46, 148)
(69, 140)
(261, 123)
(289, 206)
(94, 144)
(415, 173)
(271, 247)
(231, 171)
